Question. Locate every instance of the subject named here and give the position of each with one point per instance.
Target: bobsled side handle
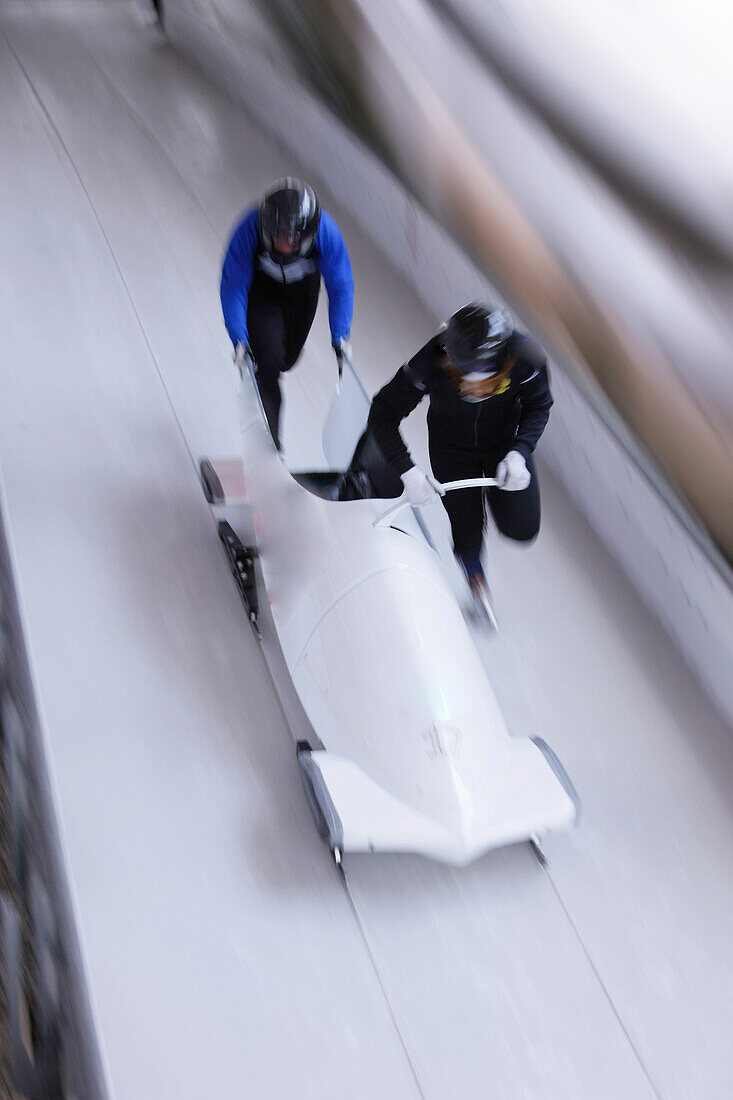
(446, 487)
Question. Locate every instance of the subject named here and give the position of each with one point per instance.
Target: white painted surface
(223, 957)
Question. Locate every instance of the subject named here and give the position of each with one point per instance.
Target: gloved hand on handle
(243, 357)
(420, 487)
(344, 353)
(512, 473)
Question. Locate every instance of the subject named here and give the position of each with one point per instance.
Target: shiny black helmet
(476, 337)
(289, 209)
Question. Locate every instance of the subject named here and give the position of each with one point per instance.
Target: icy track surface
(224, 956)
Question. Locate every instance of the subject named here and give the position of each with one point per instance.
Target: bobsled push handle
(446, 487)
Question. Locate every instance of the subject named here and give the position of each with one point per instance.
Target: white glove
(420, 488)
(512, 473)
(243, 358)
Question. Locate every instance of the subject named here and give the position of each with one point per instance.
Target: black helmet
(289, 209)
(476, 336)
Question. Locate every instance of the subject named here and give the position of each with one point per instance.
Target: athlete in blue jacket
(270, 283)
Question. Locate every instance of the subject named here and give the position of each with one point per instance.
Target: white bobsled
(414, 754)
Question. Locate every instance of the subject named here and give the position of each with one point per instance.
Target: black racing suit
(279, 318)
(468, 439)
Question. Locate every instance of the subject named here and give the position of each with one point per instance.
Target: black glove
(243, 358)
(344, 353)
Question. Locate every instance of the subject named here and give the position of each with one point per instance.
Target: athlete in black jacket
(489, 403)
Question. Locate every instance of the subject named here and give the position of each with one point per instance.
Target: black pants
(279, 318)
(517, 515)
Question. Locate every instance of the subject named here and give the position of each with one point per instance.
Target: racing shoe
(483, 603)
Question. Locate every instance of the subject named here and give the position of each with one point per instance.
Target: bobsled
(409, 750)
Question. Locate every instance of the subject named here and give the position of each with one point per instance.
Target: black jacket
(513, 419)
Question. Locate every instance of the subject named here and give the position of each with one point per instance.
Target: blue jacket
(329, 256)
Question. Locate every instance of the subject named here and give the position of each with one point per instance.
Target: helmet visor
(479, 383)
(485, 367)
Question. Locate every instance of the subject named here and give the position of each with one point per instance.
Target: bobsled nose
(353, 813)
(530, 797)
(447, 800)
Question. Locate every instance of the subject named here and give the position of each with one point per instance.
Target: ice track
(224, 956)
